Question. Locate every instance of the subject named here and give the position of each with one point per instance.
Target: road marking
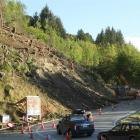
(40, 133)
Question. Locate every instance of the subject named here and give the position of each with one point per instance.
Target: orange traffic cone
(42, 126)
(47, 138)
(67, 136)
(53, 124)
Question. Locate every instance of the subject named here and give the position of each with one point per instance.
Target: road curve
(103, 122)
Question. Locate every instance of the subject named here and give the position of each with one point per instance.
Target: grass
(135, 117)
(22, 88)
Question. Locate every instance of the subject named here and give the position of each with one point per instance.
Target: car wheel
(132, 138)
(89, 134)
(59, 131)
(103, 137)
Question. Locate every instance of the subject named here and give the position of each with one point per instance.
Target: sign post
(33, 106)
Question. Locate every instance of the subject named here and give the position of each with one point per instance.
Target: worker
(89, 117)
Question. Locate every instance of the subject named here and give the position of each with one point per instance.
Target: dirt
(62, 80)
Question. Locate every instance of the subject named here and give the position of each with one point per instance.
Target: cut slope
(61, 83)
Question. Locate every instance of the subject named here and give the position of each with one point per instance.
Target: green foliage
(13, 61)
(84, 36)
(59, 28)
(109, 57)
(35, 21)
(128, 64)
(14, 13)
(6, 67)
(7, 90)
(2, 6)
(37, 33)
(87, 55)
(47, 20)
(44, 15)
(116, 62)
(73, 50)
(31, 65)
(106, 65)
(110, 36)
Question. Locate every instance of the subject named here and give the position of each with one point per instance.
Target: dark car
(124, 131)
(75, 125)
(78, 111)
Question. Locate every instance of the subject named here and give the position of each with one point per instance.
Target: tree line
(107, 55)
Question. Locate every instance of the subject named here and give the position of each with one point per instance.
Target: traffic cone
(99, 111)
(22, 130)
(67, 136)
(47, 138)
(29, 128)
(53, 124)
(31, 135)
(42, 126)
(94, 117)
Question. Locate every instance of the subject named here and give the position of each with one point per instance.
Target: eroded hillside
(30, 67)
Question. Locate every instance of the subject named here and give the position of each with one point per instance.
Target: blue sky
(94, 15)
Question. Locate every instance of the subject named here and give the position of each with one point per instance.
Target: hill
(30, 67)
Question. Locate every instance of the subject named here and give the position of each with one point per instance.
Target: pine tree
(109, 36)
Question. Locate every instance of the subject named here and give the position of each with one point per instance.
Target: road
(103, 122)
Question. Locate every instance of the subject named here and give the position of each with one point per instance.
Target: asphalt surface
(105, 121)
(13, 137)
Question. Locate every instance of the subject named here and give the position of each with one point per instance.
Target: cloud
(133, 40)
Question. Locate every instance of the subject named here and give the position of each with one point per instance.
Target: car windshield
(77, 118)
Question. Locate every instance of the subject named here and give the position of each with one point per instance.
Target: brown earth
(66, 84)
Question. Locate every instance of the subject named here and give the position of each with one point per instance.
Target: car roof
(71, 115)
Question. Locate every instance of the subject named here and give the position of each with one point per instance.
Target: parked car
(75, 125)
(123, 131)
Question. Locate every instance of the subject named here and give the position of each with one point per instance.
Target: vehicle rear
(80, 126)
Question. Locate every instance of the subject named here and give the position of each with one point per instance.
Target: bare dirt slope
(57, 77)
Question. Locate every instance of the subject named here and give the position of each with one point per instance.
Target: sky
(94, 15)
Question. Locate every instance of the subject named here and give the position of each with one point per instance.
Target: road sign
(33, 105)
(5, 118)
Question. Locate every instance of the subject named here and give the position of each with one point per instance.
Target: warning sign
(33, 105)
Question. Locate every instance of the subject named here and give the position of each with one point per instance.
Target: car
(122, 131)
(75, 125)
(78, 111)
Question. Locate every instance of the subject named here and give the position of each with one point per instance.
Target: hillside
(30, 67)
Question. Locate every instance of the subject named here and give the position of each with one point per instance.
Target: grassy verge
(135, 117)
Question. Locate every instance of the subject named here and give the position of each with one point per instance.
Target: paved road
(14, 137)
(103, 122)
